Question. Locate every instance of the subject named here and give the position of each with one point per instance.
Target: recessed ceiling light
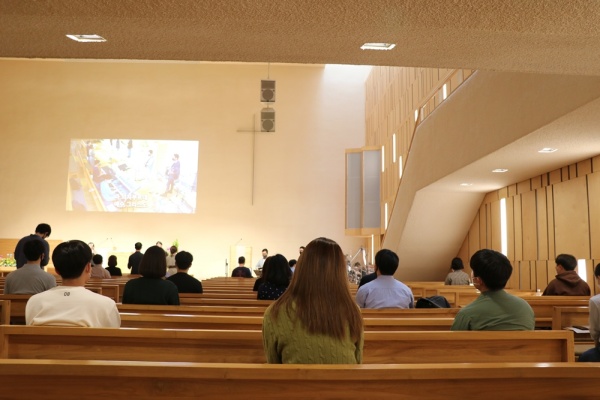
(547, 150)
(500, 170)
(378, 46)
(87, 38)
(466, 184)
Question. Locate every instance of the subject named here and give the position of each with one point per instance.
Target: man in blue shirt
(385, 291)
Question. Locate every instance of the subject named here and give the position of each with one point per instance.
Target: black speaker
(267, 91)
(267, 120)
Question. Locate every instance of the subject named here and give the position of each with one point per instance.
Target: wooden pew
(4, 312)
(172, 321)
(17, 307)
(246, 346)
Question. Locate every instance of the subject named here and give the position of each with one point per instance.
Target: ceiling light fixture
(87, 38)
(547, 150)
(466, 184)
(377, 46)
(500, 170)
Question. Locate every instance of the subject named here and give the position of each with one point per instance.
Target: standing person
(170, 258)
(241, 271)
(385, 291)
(42, 231)
(494, 309)
(316, 320)
(458, 276)
(151, 288)
(98, 270)
(277, 278)
(135, 259)
(71, 304)
(593, 354)
(261, 262)
(172, 174)
(112, 266)
(30, 278)
(184, 282)
(567, 282)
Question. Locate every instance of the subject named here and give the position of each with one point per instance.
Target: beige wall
(299, 170)
(547, 215)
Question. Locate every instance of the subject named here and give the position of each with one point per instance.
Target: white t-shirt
(72, 306)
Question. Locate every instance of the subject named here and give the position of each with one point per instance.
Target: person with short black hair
(134, 260)
(276, 279)
(151, 288)
(98, 270)
(71, 304)
(494, 309)
(184, 282)
(170, 258)
(458, 276)
(567, 281)
(30, 278)
(385, 291)
(292, 264)
(42, 231)
(241, 271)
(593, 354)
(112, 266)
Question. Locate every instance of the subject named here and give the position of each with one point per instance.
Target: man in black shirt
(184, 282)
(135, 259)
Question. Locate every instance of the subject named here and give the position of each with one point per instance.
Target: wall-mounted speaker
(267, 91)
(267, 120)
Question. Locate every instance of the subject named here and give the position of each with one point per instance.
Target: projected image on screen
(124, 175)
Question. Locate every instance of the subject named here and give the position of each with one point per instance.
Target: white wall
(299, 170)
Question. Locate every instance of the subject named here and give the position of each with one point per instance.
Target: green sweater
(288, 342)
(495, 311)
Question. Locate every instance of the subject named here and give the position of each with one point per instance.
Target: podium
(237, 251)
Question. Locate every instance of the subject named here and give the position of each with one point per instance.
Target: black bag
(432, 302)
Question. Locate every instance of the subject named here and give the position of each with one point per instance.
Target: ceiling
(510, 35)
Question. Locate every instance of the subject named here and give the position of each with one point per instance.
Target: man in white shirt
(171, 263)
(30, 278)
(385, 291)
(72, 304)
(261, 262)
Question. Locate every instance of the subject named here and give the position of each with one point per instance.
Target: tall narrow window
(382, 159)
(385, 221)
(503, 228)
(394, 147)
(444, 91)
(400, 167)
(582, 269)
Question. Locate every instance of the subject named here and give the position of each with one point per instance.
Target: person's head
(597, 273)
(279, 272)
(175, 157)
(43, 230)
(92, 246)
(566, 261)
(292, 263)
(138, 246)
(153, 264)
(301, 249)
(241, 260)
(457, 264)
(34, 250)
(159, 244)
(72, 258)
(491, 269)
(320, 291)
(386, 262)
(97, 259)
(183, 260)
(173, 249)
(265, 253)
(112, 261)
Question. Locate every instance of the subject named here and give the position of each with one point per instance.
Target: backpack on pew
(432, 302)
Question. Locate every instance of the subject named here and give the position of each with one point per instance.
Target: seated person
(458, 276)
(567, 282)
(72, 304)
(494, 309)
(184, 282)
(97, 270)
(385, 291)
(241, 271)
(112, 267)
(151, 288)
(593, 354)
(30, 278)
(277, 278)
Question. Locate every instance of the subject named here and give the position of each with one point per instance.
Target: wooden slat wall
(556, 212)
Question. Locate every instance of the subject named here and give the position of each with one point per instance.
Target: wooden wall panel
(571, 228)
(496, 231)
(518, 229)
(474, 244)
(542, 224)
(525, 275)
(529, 225)
(510, 227)
(483, 226)
(550, 215)
(593, 183)
(541, 279)
(584, 167)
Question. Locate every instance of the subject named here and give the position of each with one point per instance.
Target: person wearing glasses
(42, 231)
(494, 309)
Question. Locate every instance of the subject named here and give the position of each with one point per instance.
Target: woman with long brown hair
(316, 320)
